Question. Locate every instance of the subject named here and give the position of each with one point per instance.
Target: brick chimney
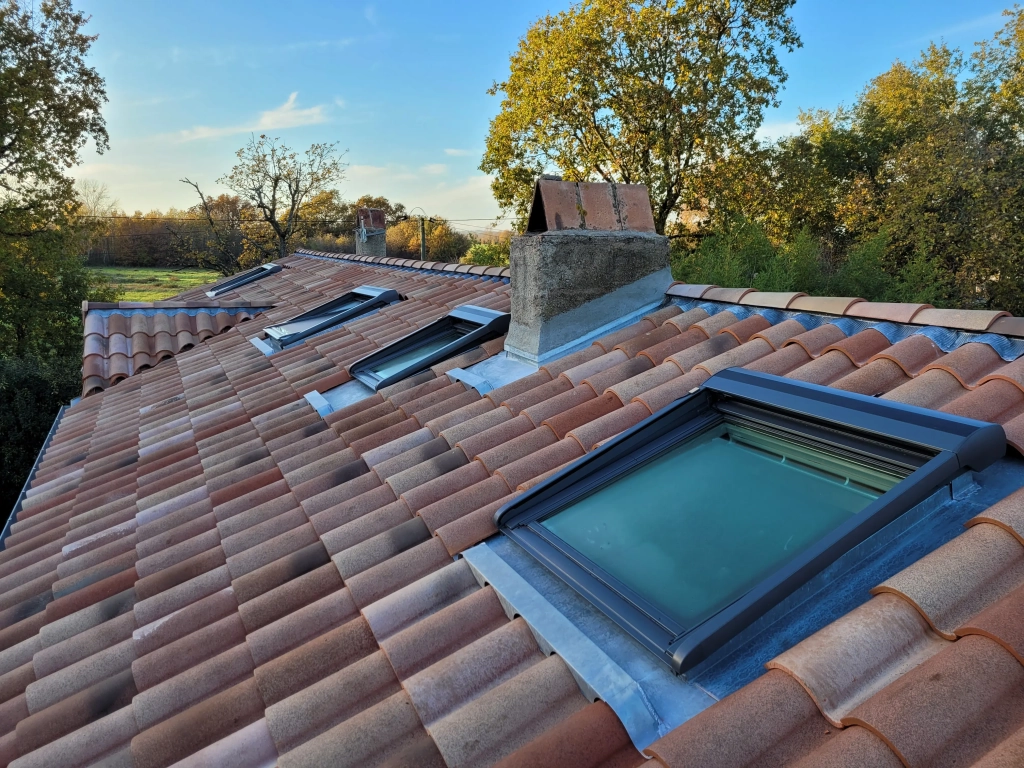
(589, 256)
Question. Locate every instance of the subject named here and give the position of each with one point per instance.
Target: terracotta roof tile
(988, 563)
(953, 708)
(737, 731)
(851, 659)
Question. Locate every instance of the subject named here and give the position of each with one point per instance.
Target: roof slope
(206, 571)
(125, 338)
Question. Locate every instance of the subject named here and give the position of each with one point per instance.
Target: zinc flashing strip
(583, 341)
(598, 676)
(31, 475)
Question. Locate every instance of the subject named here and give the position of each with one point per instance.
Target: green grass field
(154, 283)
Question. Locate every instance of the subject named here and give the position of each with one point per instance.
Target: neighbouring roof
(206, 572)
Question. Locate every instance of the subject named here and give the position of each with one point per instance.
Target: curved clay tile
(141, 361)
(771, 721)
(777, 335)
(164, 347)
(590, 738)
(185, 340)
(660, 316)
(118, 367)
(978, 320)
(730, 295)
(961, 578)
(204, 325)
(685, 320)
(969, 363)
(830, 367)
(951, 710)
(860, 347)
(93, 385)
(1001, 622)
(643, 382)
(1011, 372)
(659, 352)
(996, 401)
(1007, 513)
(781, 362)
(578, 373)
(117, 344)
(853, 747)
(162, 324)
(931, 389)
(117, 323)
(588, 435)
(1008, 326)
(878, 310)
(716, 322)
(738, 357)
(222, 321)
(854, 657)
(94, 324)
(744, 329)
(828, 305)
(139, 323)
(688, 291)
(912, 354)
(95, 345)
(665, 394)
(706, 350)
(815, 341)
(875, 378)
(774, 299)
(509, 715)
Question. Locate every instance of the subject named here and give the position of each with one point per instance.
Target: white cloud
(988, 21)
(288, 115)
(458, 152)
(339, 102)
(370, 14)
(775, 131)
(435, 169)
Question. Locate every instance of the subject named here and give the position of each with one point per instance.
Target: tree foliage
(924, 172)
(50, 103)
(637, 91)
(276, 181)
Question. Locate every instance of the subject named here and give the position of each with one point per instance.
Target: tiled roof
(124, 338)
(205, 571)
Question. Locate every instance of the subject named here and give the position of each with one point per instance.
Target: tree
(636, 91)
(277, 181)
(49, 107)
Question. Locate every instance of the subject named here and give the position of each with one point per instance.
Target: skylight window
(356, 303)
(461, 329)
(697, 521)
(243, 278)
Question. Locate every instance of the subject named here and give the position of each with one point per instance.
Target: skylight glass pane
(305, 324)
(395, 364)
(698, 527)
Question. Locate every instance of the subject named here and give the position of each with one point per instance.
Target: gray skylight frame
(934, 447)
(371, 299)
(249, 276)
(475, 324)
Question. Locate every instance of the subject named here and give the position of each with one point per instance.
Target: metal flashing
(599, 677)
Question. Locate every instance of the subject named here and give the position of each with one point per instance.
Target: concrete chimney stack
(371, 235)
(589, 256)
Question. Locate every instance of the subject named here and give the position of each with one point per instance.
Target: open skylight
(461, 329)
(356, 303)
(697, 521)
(243, 278)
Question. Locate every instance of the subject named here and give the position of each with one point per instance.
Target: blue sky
(400, 85)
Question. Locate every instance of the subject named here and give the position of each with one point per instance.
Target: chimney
(589, 257)
(371, 237)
